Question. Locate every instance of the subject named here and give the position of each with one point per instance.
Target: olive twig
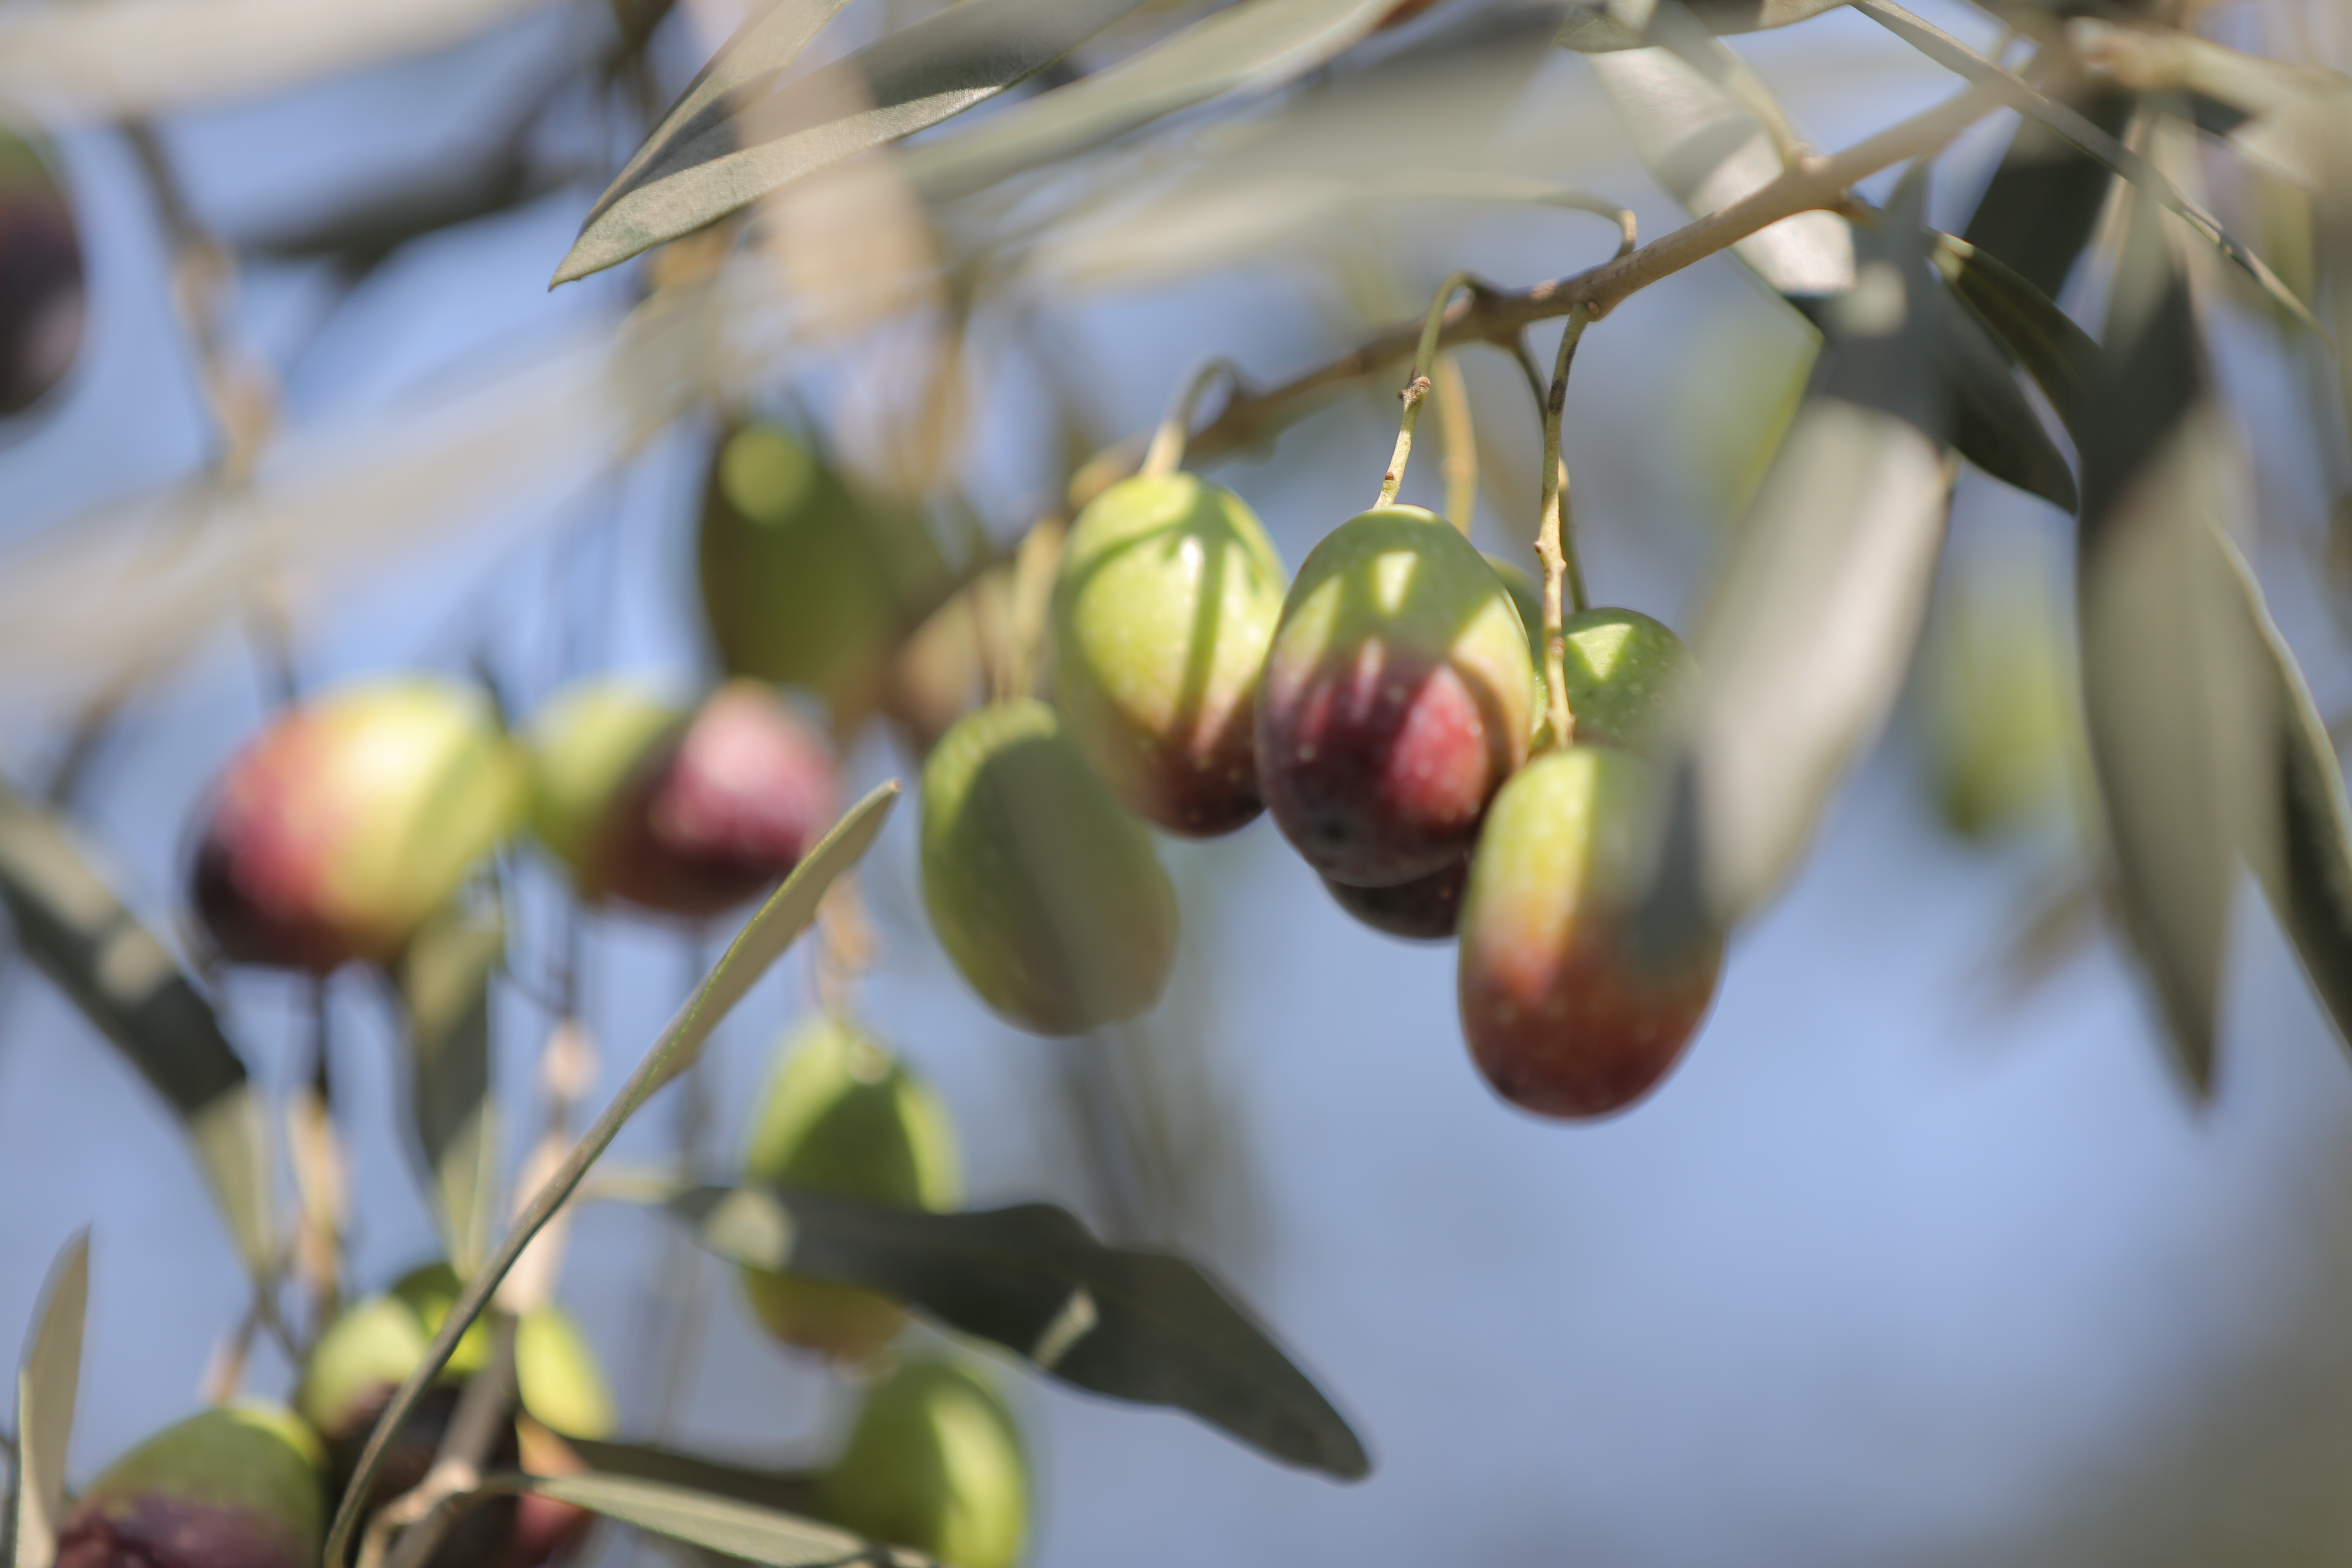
(1497, 316)
(1461, 437)
(1555, 544)
(1166, 454)
(1416, 386)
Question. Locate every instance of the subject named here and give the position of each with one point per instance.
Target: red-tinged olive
(1427, 908)
(1043, 889)
(1398, 696)
(684, 816)
(1563, 1014)
(349, 820)
(240, 1487)
(1167, 598)
(364, 1355)
(41, 287)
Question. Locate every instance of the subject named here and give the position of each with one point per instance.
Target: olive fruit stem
(1556, 541)
(1461, 439)
(1416, 386)
(1166, 453)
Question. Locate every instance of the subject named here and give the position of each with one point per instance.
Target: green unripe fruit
(1562, 1013)
(842, 1116)
(1166, 602)
(934, 1463)
(802, 582)
(1398, 697)
(349, 820)
(1623, 672)
(242, 1487)
(1043, 889)
(2004, 725)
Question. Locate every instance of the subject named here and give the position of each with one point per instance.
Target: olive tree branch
(1490, 315)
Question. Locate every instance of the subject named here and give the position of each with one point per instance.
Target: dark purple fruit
(1426, 908)
(240, 1486)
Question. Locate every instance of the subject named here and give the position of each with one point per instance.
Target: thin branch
(1497, 316)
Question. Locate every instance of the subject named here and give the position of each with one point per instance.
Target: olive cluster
(1386, 708)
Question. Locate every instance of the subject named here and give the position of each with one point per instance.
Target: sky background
(1901, 1267)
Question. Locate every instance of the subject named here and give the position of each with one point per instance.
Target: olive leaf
(1142, 1326)
(2307, 873)
(2062, 358)
(133, 58)
(46, 1384)
(741, 131)
(779, 923)
(1953, 55)
(443, 977)
(126, 984)
(721, 1524)
(1258, 43)
(2177, 705)
(2044, 201)
(786, 1490)
(1817, 604)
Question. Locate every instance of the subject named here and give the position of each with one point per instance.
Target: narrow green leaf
(124, 981)
(444, 980)
(725, 146)
(787, 1490)
(2177, 702)
(778, 924)
(46, 1384)
(725, 1525)
(2038, 213)
(1817, 602)
(1255, 44)
(1955, 56)
(2307, 873)
(2062, 359)
(1143, 1326)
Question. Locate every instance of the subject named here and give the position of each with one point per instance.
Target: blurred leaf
(113, 968)
(1136, 1325)
(2062, 359)
(779, 923)
(1626, 24)
(736, 1529)
(1709, 150)
(740, 132)
(1338, 148)
(1255, 44)
(1951, 53)
(46, 1384)
(1706, 150)
(2044, 199)
(2307, 871)
(2183, 737)
(784, 1489)
(1817, 603)
(132, 58)
(444, 979)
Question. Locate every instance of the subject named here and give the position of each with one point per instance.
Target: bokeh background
(1922, 1258)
